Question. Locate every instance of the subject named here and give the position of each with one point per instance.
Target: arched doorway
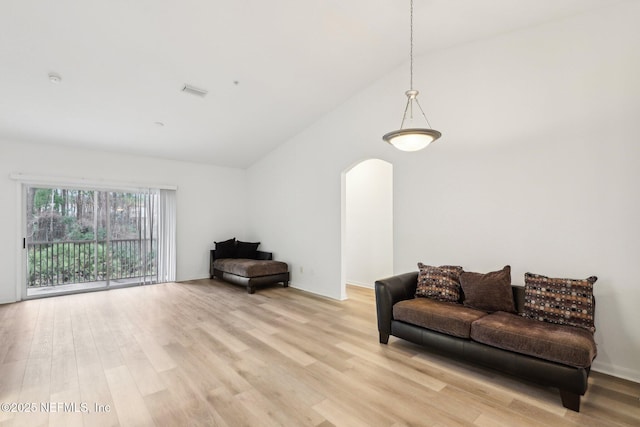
(367, 223)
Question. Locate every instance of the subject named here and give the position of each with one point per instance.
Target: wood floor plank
(260, 406)
(192, 403)
(64, 372)
(37, 373)
(129, 404)
(17, 350)
(12, 374)
(338, 415)
(397, 368)
(252, 322)
(196, 364)
(285, 312)
(94, 389)
(69, 408)
(232, 411)
(158, 357)
(224, 337)
(36, 395)
(141, 369)
(414, 403)
(103, 339)
(287, 350)
(281, 387)
(163, 409)
(206, 353)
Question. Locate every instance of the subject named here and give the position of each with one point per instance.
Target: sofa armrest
(388, 292)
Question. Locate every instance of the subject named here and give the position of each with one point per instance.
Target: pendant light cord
(411, 48)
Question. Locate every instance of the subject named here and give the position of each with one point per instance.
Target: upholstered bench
(250, 273)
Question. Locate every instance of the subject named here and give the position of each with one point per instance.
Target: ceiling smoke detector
(194, 91)
(55, 78)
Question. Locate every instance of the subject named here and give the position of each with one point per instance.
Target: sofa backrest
(259, 255)
(264, 255)
(518, 297)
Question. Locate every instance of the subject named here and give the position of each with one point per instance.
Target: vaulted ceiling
(271, 68)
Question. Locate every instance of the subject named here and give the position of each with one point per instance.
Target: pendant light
(412, 138)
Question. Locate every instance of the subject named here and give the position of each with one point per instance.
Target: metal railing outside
(61, 263)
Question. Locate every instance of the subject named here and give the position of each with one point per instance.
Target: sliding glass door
(131, 240)
(78, 240)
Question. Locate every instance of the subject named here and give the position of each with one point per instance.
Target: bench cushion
(447, 317)
(568, 345)
(250, 267)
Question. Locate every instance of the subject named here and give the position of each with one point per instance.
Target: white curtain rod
(83, 183)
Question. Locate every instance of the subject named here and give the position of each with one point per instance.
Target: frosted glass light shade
(411, 139)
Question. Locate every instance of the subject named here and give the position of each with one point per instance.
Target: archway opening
(367, 223)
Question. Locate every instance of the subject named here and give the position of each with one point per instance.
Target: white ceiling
(123, 64)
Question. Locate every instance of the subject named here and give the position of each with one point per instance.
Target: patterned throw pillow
(561, 301)
(439, 283)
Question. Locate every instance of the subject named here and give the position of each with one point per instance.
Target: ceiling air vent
(194, 91)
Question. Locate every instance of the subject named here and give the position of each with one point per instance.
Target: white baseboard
(360, 284)
(616, 371)
(314, 293)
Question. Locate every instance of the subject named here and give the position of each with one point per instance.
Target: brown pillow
(439, 283)
(488, 292)
(561, 301)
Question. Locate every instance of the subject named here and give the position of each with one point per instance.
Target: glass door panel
(132, 238)
(78, 240)
(60, 241)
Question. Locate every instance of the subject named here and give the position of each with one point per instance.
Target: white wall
(537, 168)
(211, 201)
(369, 222)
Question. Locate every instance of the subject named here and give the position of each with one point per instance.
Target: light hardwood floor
(207, 353)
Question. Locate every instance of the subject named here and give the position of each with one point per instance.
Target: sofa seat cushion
(250, 267)
(568, 345)
(447, 317)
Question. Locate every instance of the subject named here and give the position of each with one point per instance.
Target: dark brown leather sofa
(570, 380)
(251, 273)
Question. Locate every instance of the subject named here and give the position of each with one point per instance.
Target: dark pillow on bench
(247, 250)
(226, 249)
